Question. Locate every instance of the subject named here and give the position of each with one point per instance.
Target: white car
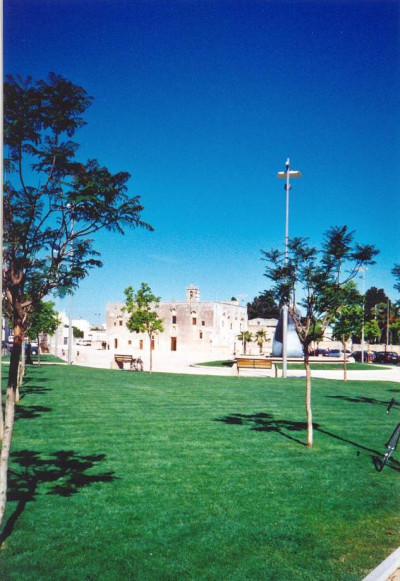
(84, 342)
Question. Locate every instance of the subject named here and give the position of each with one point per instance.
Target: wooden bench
(254, 363)
(123, 361)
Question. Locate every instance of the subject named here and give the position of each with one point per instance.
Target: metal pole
(387, 324)
(363, 315)
(285, 306)
(70, 302)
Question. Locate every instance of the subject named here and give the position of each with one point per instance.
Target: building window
(173, 343)
(141, 344)
(201, 335)
(203, 323)
(121, 322)
(129, 342)
(115, 343)
(194, 320)
(115, 323)
(174, 319)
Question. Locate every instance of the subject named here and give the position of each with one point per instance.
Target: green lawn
(119, 475)
(326, 366)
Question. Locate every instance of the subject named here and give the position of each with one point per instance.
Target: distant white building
(267, 325)
(189, 326)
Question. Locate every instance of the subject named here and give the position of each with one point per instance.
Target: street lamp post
(70, 330)
(362, 270)
(286, 175)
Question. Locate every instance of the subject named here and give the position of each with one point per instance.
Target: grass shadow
(264, 422)
(63, 473)
(360, 399)
(30, 412)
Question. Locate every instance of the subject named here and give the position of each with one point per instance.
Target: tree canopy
(53, 205)
(263, 306)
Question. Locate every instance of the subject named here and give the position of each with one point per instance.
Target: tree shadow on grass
(360, 399)
(30, 412)
(63, 473)
(28, 388)
(263, 422)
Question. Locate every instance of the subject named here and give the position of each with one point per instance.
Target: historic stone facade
(189, 326)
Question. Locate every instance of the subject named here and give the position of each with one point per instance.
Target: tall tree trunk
(151, 355)
(38, 350)
(344, 345)
(10, 413)
(308, 400)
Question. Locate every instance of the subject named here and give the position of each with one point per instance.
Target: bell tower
(192, 294)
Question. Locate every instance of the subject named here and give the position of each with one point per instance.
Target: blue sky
(202, 102)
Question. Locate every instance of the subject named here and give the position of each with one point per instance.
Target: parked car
(369, 356)
(386, 357)
(34, 348)
(338, 353)
(84, 342)
(319, 352)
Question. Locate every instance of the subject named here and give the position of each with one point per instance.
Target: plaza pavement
(192, 364)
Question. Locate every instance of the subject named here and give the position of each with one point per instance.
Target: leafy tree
(318, 278)
(261, 337)
(43, 319)
(263, 307)
(245, 337)
(348, 319)
(372, 331)
(373, 297)
(77, 333)
(143, 318)
(53, 205)
(396, 274)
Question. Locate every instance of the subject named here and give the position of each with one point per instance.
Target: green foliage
(77, 333)
(140, 306)
(372, 331)
(396, 274)
(319, 278)
(374, 298)
(347, 320)
(43, 319)
(53, 203)
(263, 307)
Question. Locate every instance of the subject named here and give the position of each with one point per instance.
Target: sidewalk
(192, 364)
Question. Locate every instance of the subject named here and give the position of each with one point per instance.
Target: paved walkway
(191, 364)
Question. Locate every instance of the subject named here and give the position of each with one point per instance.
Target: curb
(386, 568)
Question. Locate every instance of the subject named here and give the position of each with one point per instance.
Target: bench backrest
(253, 363)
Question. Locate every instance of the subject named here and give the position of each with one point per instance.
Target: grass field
(325, 366)
(119, 475)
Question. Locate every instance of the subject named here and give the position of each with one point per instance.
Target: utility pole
(286, 175)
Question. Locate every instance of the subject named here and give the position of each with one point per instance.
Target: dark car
(34, 348)
(369, 356)
(386, 357)
(319, 352)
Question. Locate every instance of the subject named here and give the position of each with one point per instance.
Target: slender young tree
(143, 318)
(44, 319)
(261, 337)
(310, 282)
(245, 337)
(348, 319)
(53, 205)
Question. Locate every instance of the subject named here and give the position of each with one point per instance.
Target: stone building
(189, 326)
